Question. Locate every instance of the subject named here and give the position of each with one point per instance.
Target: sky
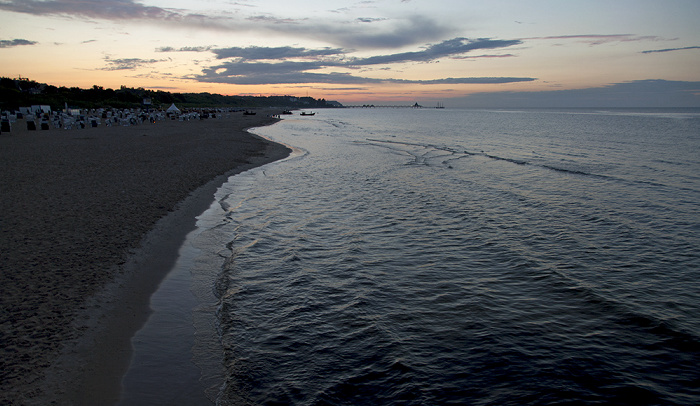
(461, 53)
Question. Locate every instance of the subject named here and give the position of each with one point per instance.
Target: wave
(668, 336)
(460, 153)
(464, 152)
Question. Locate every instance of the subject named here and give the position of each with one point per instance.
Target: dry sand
(90, 223)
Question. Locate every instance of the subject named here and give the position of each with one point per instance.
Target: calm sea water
(432, 257)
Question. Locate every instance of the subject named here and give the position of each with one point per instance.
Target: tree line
(15, 93)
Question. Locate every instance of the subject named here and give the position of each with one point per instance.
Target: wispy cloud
(370, 20)
(128, 63)
(484, 56)
(9, 43)
(264, 53)
(599, 39)
(275, 20)
(669, 49)
(184, 49)
(477, 80)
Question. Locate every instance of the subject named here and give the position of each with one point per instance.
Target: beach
(90, 223)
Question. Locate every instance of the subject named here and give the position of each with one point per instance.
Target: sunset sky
(461, 52)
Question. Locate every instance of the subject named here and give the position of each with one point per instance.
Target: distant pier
(409, 106)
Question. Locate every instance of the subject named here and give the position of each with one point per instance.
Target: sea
(408, 256)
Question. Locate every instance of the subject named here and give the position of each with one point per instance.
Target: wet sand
(90, 223)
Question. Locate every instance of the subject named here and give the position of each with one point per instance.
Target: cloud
(248, 68)
(110, 10)
(338, 78)
(290, 77)
(9, 43)
(335, 89)
(275, 20)
(670, 49)
(242, 69)
(399, 33)
(262, 53)
(184, 49)
(599, 39)
(388, 33)
(128, 63)
(299, 72)
(450, 47)
(478, 80)
(370, 20)
(640, 93)
(251, 65)
(484, 56)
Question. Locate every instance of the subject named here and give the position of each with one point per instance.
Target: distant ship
(304, 113)
(440, 106)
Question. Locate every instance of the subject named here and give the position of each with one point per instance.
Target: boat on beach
(287, 112)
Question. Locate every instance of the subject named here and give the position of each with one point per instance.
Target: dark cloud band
(251, 65)
(5, 43)
(450, 47)
(670, 49)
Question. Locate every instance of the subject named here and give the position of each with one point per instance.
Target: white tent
(173, 109)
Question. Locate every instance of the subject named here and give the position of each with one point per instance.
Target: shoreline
(86, 350)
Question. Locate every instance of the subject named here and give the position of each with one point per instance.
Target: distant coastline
(15, 93)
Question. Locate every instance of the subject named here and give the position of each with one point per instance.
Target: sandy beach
(90, 223)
